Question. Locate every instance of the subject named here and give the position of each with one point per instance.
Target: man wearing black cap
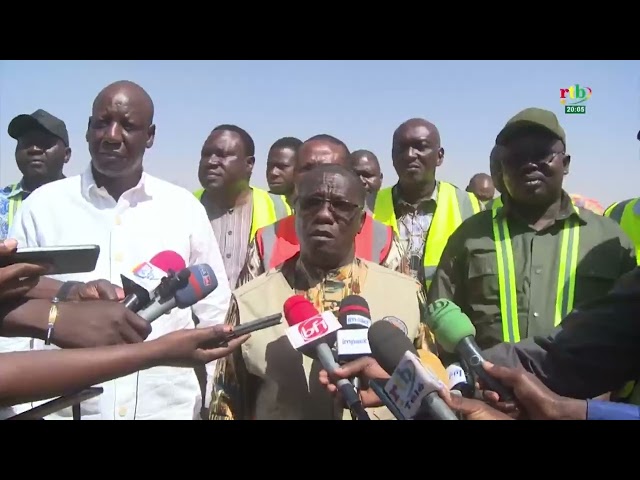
(41, 152)
(518, 269)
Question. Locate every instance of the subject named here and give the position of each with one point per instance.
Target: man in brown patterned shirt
(269, 379)
(321, 150)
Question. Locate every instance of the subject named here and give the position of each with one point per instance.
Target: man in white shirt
(132, 216)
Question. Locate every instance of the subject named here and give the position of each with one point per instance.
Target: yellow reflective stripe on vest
(453, 207)
(565, 295)
(286, 205)
(14, 205)
(383, 210)
(267, 209)
(627, 215)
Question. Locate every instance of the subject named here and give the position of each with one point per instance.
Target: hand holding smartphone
(255, 325)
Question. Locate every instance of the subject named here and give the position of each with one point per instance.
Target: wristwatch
(65, 289)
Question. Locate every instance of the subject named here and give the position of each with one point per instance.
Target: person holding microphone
(36, 375)
(90, 323)
(534, 400)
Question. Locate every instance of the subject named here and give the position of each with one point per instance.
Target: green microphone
(456, 334)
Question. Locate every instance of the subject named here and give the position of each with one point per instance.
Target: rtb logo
(573, 97)
(405, 391)
(313, 328)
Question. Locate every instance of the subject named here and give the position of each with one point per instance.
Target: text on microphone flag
(456, 375)
(355, 319)
(312, 329)
(353, 342)
(410, 383)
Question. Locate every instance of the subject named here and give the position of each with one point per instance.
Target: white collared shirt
(152, 217)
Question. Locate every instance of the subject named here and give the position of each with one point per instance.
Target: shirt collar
(567, 209)
(143, 190)
(17, 189)
(399, 201)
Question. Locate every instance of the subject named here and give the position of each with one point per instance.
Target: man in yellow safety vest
(235, 208)
(423, 211)
(627, 215)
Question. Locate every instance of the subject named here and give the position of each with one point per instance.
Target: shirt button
(229, 232)
(118, 257)
(228, 255)
(118, 220)
(122, 411)
(535, 314)
(538, 271)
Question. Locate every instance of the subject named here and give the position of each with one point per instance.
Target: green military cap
(535, 118)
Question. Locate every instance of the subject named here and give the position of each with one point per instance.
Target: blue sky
(361, 102)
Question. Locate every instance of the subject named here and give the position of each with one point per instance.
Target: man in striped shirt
(236, 209)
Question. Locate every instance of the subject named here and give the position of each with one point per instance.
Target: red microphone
(310, 330)
(168, 260)
(141, 283)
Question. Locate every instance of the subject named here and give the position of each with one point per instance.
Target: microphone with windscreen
(148, 279)
(311, 332)
(352, 340)
(413, 386)
(455, 333)
(200, 282)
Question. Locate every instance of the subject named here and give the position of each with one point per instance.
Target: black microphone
(199, 281)
(413, 386)
(352, 341)
(142, 284)
(355, 318)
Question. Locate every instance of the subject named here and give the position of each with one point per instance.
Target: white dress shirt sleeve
(23, 229)
(212, 310)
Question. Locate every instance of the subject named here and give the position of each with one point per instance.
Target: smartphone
(255, 325)
(60, 403)
(63, 260)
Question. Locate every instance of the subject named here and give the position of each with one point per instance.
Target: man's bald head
(319, 175)
(134, 92)
(321, 149)
(412, 123)
(120, 130)
(481, 186)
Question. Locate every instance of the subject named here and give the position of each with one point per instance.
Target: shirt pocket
(482, 279)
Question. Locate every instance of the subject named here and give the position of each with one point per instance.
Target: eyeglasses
(340, 209)
(518, 158)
